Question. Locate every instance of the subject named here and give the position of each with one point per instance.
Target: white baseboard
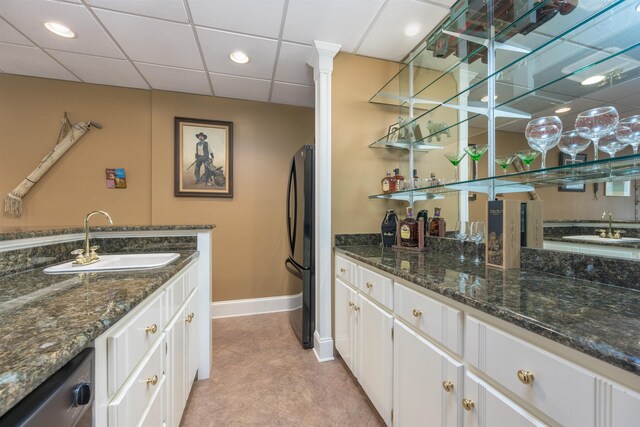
(247, 307)
(323, 348)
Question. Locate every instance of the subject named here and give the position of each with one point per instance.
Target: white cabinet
(427, 383)
(376, 356)
(176, 368)
(485, 406)
(625, 408)
(191, 324)
(346, 321)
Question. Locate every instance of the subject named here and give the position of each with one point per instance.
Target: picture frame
(203, 158)
(617, 189)
(565, 159)
(393, 133)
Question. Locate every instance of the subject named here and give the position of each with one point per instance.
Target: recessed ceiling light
(562, 110)
(638, 7)
(593, 80)
(486, 98)
(412, 30)
(239, 57)
(59, 29)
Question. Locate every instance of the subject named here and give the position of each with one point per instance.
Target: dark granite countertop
(597, 319)
(633, 245)
(590, 221)
(48, 319)
(12, 233)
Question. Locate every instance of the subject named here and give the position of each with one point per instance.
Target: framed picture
(565, 159)
(203, 158)
(618, 189)
(392, 134)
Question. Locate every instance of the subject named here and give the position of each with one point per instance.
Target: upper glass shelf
(624, 168)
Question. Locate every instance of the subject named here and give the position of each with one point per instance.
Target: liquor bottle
(437, 225)
(409, 230)
(386, 183)
(398, 180)
(416, 179)
(433, 181)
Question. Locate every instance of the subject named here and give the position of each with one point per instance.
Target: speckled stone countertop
(589, 221)
(621, 244)
(48, 319)
(12, 233)
(597, 319)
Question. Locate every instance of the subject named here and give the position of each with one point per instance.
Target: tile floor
(262, 377)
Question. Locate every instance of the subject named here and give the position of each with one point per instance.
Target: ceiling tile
(152, 40)
(240, 87)
(292, 64)
(257, 17)
(284, 93)
(8, 34)
(217, 45)
(163, 9)
(387, 39)
(98, 70)
(31, 61)
(333, 21)
(175, 79)
(28, 16)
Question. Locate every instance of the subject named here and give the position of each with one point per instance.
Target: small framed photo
(565, 159)
(392, 134)
(618, 189)
(203, 158)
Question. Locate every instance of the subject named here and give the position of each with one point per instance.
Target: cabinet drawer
(345, 270)
(126, 346)
(438, 321)
(176, 294)
(563, 391)
(191, 279)
(376, 286)
(133, 402)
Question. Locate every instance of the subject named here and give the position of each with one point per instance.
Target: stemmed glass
(461, 236)
(477, 235)
(527, 157)
(543, 134)
(455, 158)
(572, 143)
(609, 144)
(505, 161)
(596, 123)
(476, 152)
(628, 131)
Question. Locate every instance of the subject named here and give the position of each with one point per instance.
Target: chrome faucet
(88, 254)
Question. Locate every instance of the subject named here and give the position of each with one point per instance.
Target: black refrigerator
(300, 229)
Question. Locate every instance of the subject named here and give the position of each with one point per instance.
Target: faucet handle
(94, 248)
(77, 252)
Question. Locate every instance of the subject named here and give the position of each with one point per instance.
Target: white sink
(602, 239)
(116, 263)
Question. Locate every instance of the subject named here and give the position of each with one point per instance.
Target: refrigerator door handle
(293, 181)
(293, 268)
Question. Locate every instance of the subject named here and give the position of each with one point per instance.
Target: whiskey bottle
(409, 230)
(437, 225)
(398, 180)
(416, 179)
(386, 183)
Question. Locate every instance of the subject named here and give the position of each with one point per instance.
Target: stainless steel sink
(116, 263)
(592, 238)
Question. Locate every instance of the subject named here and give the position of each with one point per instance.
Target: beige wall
(249, 241)
(558, 205)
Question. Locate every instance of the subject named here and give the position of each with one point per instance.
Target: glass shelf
(622, 168)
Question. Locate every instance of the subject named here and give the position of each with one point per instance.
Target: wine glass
(527, 157)
(477, 235)
(455, 158)
(505, 161)
(461, 236)
(596, 123)
(628, 130)
(543, 134)
(610, 144)
(476, 152)
(572, 143)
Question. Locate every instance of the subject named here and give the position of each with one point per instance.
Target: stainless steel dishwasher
(65, 399)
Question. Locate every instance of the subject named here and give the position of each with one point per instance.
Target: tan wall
(249, 241)
(558, 205)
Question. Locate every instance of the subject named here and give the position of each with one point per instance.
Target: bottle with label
(416, 179)
(386, 183)
(398, 180)
(433, 181)
(409, 230)
(437, 225)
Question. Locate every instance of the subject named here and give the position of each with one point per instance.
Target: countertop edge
(10, 234)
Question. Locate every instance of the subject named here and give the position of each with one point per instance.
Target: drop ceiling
(184, 45)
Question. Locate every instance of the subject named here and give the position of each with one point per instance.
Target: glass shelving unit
(509, 64)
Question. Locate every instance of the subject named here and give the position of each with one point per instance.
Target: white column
(322, 63)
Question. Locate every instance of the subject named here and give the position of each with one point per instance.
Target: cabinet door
(420, 371)
(345, 319)
(176, 369)
(375, 365)
(491, 408)
(625, 407)
(192, 341)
